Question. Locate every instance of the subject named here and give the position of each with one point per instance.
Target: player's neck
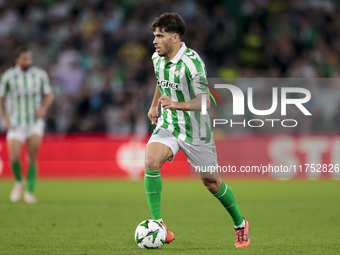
(174, 51)
(23, 69)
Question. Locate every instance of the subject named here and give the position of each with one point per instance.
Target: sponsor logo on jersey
(168, 84)
(199, 74)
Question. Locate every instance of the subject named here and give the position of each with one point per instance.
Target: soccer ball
(150, 234)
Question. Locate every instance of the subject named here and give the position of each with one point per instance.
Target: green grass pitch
(100, 217)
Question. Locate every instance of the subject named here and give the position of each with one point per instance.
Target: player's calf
(212, 184)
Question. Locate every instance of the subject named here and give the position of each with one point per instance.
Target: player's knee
(152, 163)
(32, 155)
(14, 159)
(31, 159)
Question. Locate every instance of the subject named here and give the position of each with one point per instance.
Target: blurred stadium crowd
(98, 53)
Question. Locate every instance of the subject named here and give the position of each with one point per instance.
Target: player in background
(181, 125)
(30, 96)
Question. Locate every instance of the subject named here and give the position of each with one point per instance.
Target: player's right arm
(48, 96)
(153, 111)
(3, 90)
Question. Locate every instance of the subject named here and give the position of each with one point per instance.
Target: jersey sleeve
(154, 56)
(197, 75)
(4, 84)
(154, 60)
(46, 86)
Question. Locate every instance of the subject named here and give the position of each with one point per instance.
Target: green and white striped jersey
(25, 90)
(179, 79)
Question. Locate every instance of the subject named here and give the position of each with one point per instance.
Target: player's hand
(153, 115)
(167, 102)
(7, 123)
(41, 113)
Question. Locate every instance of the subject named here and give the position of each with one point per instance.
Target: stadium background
(97, 54)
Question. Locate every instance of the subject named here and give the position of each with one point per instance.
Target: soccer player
(30, 96)
(181, 125)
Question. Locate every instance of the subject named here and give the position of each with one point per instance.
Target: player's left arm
(192, 105)
(48, 97)
(4, 88)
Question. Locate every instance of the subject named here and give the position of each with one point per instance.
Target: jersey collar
(179, 53)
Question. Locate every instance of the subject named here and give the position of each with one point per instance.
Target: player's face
(25, 60)
(163, 42)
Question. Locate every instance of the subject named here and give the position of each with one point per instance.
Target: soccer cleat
(29, 198)
(169, 235)
(242, 236)
(17, 190)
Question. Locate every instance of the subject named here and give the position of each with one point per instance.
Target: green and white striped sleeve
(196, 71)
(4, 84)
(46, 86)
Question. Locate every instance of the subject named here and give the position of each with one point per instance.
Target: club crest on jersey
(168, 84)
(177, 72)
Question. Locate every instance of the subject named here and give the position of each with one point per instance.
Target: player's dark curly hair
(170, 22)
(20, 49)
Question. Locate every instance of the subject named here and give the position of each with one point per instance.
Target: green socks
(17, 170)
(227, 199)
(31, 175)
(31, 178)
(153, 189)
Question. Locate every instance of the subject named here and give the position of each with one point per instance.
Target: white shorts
(21, 134)
(197, 155)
